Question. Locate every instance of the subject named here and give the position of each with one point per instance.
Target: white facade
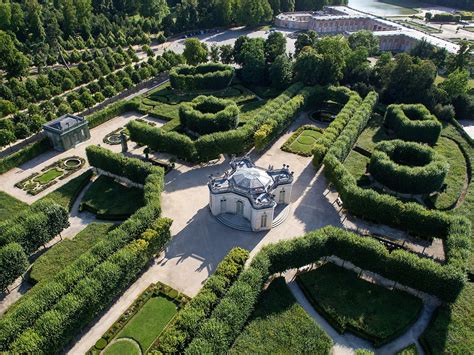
(250, 192)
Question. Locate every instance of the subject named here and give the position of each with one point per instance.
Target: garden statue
(123, 141)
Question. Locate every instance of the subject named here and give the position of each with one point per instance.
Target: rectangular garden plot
(280, 325)
(302, 141)
(365, 309)
(142, 323)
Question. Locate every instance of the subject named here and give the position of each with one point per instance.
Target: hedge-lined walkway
(347, 343)
(10, 178)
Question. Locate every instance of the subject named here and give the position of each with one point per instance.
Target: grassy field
(372, 134)
(451, 331)
(9, 206)
(409, 350)
(64, 253)
(358, 306)
(457, 174)
(122, 347)
(149, 322)
(67, 194)
(279, 325)
(422, 27)
(356, 163)
(109, 199)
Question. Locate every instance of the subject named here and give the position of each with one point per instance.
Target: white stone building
(251, 192)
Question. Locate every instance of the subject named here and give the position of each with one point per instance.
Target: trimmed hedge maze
(208, 76)
(54, 311)
(208, 114)
(408, 167)
(413, 123)
(219, 332)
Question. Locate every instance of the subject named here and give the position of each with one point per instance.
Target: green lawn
(353, 304)
(67, 194)
(451, 331)
(64, 253)
(470, 29)
(279, 325)
(422, 27)
(149, 322)
(372, 134)
(356, 163)
(302, 141)
(122, 347)
(9, 206)
(109, 199)
(48, 176)
(457, 174)
(409, 350)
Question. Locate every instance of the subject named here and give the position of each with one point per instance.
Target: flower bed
(408, 167)
(114, 137)
(50, 175)
(208, 114)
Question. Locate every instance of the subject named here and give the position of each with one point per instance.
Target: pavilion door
(240, 208)
(281, 198)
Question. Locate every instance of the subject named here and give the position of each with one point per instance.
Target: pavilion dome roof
(251, 178)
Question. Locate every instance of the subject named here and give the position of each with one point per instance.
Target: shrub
(408, 167)
(413, 123)
(188, 321)
(207, 114)
(110, 112)
(22, 156)
(13, 263)
(208, 76)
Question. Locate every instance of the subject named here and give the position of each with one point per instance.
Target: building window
(223, 205)
(239, 208)
(263, 220)
(281, 199)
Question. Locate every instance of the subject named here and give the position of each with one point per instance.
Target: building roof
(252, 178)
(64, 123)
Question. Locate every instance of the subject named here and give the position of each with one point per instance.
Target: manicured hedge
(102, 116)
(208, 114)
(22, 156)
(228, 318)
(13, 263)
(208, 76)
(333, 131)
(175, 338)
(209, 146)
(385, 209)
(408, 167)
(413, 123)
(54, 311)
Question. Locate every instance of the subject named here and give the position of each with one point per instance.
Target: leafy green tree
(307, 68)
(13, 263)
(281, 71)
(12, 60)
(305, 39)
(276, 6)
(287, 5)
(186, 15)
(84, 14)
(158, 9)
(254, 12)
(35, 23)
(226, 54)
(238, 44)
(334, 51)
(275, 45)
(214, 53)
(6, 107)
(5, 16)
(69, 23)
(456, 84)
(462, 59)
(18, 18)
(6, 137)
(364, 39)
(195, 51)
(252, 56)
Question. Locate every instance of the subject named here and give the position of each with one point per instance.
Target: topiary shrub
(208, 76)
(408, 167)
(101, 344)
(413, 123)
(208, 114)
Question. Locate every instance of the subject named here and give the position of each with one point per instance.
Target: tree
(276, 7)
(84, 14)
(456, 84)
(6, 107)
(364, 39)
(254, 12)
(307, 66)
(226, 53)
(334, 51)
(195, 51)
(69, 24)
(281, 71)
(5, 16)
(252, 56)
(214, 53)
(462, 58)
(12, 60)
(186, 15)
(287, 5)
(13, 263)
(158, 9)
(275, 45)
(33, 11)
(6, 137)
(304, 40)
(428, 16)
(238, 44)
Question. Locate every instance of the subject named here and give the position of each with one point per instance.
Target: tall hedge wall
(207, 76)
(25, 154)
(218, 333)
(413, 123)
(212, 145)
(53, 312)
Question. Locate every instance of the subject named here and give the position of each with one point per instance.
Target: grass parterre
(408, 167)
(302, 141)
(208, 114)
